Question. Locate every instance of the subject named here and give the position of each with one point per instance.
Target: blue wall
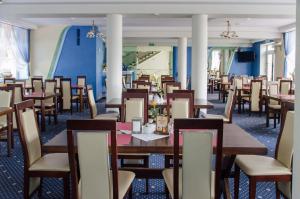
(241, 68)
(83, 59)
(175, 62)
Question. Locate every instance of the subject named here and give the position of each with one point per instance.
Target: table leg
(81, 99)
(43, 125)
(9, 133)
(239, 100)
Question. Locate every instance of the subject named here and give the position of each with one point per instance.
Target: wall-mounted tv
(246, 56)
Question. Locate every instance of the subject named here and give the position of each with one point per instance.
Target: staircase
(130, 58)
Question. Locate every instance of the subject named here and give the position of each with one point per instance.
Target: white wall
(158, 64)
(296, 166)
(43, 42)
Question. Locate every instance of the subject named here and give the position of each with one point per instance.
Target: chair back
(29, 136)
(273, 90)
(133, 90)
(180, 105)
(58, 78)
(284, 148)
(7, 100)
(9, 80)
(37, 84)
(81, 81)
(22, 82)
(143, 85)
(134, 105)
(18, 97)
(185, 91)
(50, 87)
(224, 79)
(238, 83)
(230, 104)
(197, 169)
(255, 95)
(93, 155)
(171, 86)
(92, 103)
(285, 87)
(66, 92)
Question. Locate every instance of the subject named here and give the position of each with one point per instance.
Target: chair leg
(252, 188)
(236, 181)
(277, 193)
(66, 187)
(267, 119)
(40, 193)
(147, 186)
(26, 187)
(167, 192)
(274, 117)
(130, 192)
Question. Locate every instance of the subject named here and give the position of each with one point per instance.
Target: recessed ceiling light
(73, 18)
(248, 19)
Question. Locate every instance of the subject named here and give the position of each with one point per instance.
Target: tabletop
(235, 141)
(198, 103)
(281, 97)
(39, 95)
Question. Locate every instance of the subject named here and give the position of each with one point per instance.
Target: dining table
(236, 141)
(42, 96)
(8, 112)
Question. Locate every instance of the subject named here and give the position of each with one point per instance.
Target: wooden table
(42, 96)
(8, 111)
(235, 141)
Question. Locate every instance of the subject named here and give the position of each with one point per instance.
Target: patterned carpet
(11, 169)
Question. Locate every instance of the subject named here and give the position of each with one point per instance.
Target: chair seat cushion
(75, 97)
(168, 177)
(107, 116)
(255, 165)
(51, 162)
(125, 178)
(275, 106)
(212, 116)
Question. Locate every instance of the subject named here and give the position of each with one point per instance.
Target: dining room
(149, 99)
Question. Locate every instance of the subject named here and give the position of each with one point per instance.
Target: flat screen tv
(246, 56)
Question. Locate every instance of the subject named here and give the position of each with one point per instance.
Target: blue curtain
(289, 47)
(21, 37)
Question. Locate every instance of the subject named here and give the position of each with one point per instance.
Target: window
(216, 60)
(290, 52)
(267, 61)
(14, 51)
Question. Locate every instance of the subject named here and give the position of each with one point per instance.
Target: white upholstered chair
(171, 86)
(273, 107)
(67, 95)
(37, 165)
(37, 84)
(99, 174)
(254, 99)
(264, 168)
(94, 111)
(285, 87)
(180, 105)
(18, 97)
(6, 100)
(227, 116)
(196, 178)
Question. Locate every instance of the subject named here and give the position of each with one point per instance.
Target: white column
(182, 61)
(199, 55)
(296, 158)
(114, 56)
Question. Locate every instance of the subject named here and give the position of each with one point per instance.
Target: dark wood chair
(182, 105)
(268, 169)
(134, 90)
(37, 84)
(273, 107)
(196, 169)
(9, 80)
(67, 95)
(18, 97)
(6, 121)
(143, 85)
(224, 87)
(145, 78)
(58, 90)
(196, 111)
(254, 99)
(171, 86)
(93, 153)
(81, 81)
(285, 87)
(36, 165)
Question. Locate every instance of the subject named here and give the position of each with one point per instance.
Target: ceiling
(161, 20)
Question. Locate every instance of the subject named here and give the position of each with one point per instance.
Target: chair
(18, 97)
(227, 116)
(143, 85)
(285, 87)
(273, 108)
(37, 84)
(254, 99)
(36, 165)
(163, 84)
(6, 134)
(97, 178)
(182, 105)
(22, 82)
(171, 86)
(196, 179)
(67, 95)
(224, 87)
(196, 111)
(134, 105)
(94, 111)
(145, 78)
(57, 79)
(9, 80)
(265, 169)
